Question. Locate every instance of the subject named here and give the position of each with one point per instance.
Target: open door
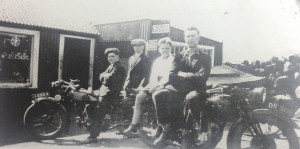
(76, 59)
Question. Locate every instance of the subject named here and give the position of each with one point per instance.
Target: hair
(112, 50)
(166, 40)
(192, 28)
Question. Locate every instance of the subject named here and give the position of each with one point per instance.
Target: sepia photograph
(142, 74)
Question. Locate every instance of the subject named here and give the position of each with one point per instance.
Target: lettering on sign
(152, 45)
(163, 28)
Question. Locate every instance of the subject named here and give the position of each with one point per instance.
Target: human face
(112, 58)
(165, 50)
(138, 48)
(191, 38)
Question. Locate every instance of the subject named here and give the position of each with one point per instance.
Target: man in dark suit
(112, 80)
(138, 67)
(188, 77)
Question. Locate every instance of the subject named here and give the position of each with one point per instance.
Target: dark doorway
(76, 60)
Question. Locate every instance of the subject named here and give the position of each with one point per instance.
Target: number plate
(280, 107)
(38, 95)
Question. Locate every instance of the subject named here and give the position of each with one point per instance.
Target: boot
(157, 132)
(131, 128)
(135, 122)
(162, 137)
(89, 140)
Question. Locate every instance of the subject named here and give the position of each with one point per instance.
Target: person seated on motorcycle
(188, 77)
(287, 83)
(112, 80)
(138, 68)
(159, 76)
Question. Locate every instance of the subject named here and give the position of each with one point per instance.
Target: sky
(249, 29)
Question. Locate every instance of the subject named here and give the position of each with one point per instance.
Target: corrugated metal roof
(227, 75)
(38, 13)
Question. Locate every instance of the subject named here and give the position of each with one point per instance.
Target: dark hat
(138, 41)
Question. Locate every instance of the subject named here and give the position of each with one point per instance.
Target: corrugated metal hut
(38, 45)
(119, 34)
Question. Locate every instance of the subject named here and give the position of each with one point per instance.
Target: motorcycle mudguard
(52, 100)
(278, 114)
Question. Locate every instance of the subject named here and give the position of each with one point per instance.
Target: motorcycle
(250, 128)
(49, 115)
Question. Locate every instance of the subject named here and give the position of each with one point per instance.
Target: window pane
(15, 51)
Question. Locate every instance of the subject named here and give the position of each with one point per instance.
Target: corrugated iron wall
(48, 59)
(125, 31)
(176, 34)
(16, 100)
(145, 29)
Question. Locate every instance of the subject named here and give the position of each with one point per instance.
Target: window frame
(34, 62)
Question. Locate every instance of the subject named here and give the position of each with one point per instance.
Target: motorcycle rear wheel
(149, 126)
(276, 133)
(45, 120)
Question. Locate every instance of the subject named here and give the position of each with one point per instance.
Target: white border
(61, 56)
(34, 58)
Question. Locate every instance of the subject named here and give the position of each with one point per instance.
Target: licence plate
(281, 108)
(38, 95)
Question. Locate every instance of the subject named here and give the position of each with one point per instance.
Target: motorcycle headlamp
(57, 97)
(258, 95)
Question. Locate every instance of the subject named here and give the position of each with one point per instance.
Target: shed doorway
(76, 60)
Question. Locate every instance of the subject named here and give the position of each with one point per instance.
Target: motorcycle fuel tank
(80, 96)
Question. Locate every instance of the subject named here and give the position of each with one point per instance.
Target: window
(209, 50)
(18, 57)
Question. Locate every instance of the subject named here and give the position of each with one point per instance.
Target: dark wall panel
(48, 59)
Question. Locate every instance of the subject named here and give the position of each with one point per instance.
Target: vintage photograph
(141, 74)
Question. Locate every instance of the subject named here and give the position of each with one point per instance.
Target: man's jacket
(112, 79)
(138, 71)
(199, 64)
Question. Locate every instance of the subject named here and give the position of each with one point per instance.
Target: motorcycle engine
(85, 117)
(222, 107)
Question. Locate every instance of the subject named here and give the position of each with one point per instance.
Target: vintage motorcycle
(49, 115)
(251, 128)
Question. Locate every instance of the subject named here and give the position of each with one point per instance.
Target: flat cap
(138, 41)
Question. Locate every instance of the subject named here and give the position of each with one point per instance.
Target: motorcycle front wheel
(275, 134)
(45, 120)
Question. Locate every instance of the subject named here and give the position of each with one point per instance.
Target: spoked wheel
(45, 120)
(275, 134)
(150, 129)
(210, 139)
(122, 117)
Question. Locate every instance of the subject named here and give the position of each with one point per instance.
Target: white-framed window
(209, 50)
(178, 47)
(19, 56)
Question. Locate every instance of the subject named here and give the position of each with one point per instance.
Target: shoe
(162, 137)
(89, 140)
(157, 132)
(131, 128)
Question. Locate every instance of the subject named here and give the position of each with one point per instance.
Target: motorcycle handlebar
(68, 84)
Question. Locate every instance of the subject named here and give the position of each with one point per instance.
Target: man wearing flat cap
(138, 67)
